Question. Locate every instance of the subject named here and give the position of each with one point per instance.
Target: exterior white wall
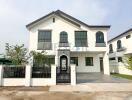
(13, 82)
(126, 43)
(62, 25)
(73, 74)
(81, 62)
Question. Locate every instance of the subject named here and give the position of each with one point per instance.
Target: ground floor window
(47, 62)
(119, 59)
(89, 61)
(74, 60)
(113, 58)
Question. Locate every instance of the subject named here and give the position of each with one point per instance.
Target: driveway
(99, 78)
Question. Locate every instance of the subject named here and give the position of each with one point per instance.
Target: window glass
(99, 37)
(74, 60)
(80, 38)
(89, 61)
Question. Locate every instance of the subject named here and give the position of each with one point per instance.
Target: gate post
(1, 74)
(28, 73)
(73, 74)
(53, 74)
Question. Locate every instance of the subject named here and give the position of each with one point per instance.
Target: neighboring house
(120, 46)
(69, 41)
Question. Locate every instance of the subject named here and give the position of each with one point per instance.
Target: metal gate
(63, 76)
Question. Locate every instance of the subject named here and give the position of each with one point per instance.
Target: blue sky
(15, 14)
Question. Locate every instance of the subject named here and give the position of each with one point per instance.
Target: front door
(63, 63)
(101, 64)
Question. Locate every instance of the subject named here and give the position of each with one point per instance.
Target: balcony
(44, 46)
(100, 44)
(63, 44)
(121, 49)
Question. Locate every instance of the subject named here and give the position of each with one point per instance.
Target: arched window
(110, 48)
(119, 44)
(99, 37)
(63, 37)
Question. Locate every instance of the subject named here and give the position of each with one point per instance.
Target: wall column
(28, 74)
(1, 74)
(73, 74)
(53, 74)
(106, 64)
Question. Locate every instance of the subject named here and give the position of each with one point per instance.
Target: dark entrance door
(63, 71)
(63, 63)
(101, 64)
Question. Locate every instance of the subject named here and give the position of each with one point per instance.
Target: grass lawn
(122, 75)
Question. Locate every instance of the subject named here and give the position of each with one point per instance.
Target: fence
(27, 75)
(41, 72)
(14, 72)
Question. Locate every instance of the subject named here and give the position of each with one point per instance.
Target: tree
(128, 61)
(18, 54)
(39, 58)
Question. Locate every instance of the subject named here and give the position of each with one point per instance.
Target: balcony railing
(44, 45)
(100, 44)
(121, 49)
(63, 44)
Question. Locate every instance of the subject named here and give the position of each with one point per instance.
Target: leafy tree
(40, 58)
(18, 54)
(128, 61)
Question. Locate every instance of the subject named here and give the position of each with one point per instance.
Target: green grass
(122, 75)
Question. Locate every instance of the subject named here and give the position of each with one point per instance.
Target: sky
(15, 14)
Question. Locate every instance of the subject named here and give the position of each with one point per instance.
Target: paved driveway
(99, 78)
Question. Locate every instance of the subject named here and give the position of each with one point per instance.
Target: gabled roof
(69, 19)
(129, 30)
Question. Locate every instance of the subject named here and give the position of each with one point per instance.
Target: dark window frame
(81, 40)
(90, 62)
(63, 37)
(42, 39)
(119, 44)
(99, 37)
(110, 48)
(75, 60)
(128, 36)
(120, 59)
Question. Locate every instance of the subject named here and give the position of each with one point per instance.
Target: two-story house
(68, 40)
(120, 46)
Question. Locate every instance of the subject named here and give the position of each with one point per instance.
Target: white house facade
(120, 46)
(68, 41)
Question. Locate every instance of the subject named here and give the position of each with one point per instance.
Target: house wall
(81, 62)
(126, 43)
(62, 25)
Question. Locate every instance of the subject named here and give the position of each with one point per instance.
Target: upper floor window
(99, 37)
(63, 37)
(119, 44)
(110, 48)
(44, 40)
(81, 38)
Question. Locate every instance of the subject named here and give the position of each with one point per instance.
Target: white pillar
(106, 64)
(1, 74)
(53, 74)
(28, 75)
(73, 74)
